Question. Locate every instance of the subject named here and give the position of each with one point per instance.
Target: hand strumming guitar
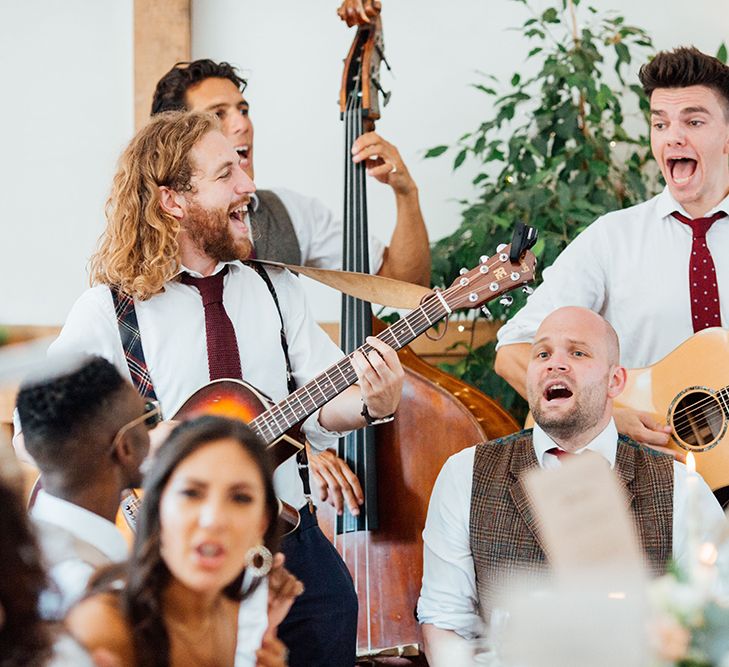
(642, 427)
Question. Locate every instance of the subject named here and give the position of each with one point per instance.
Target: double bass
(396, 463)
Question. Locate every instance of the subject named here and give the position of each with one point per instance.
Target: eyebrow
(572, 341)
(226, 165)
(687, 110)
(235, 486)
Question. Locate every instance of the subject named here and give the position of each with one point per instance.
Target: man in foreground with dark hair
(658, 271)
(480, 530)
(86, 429)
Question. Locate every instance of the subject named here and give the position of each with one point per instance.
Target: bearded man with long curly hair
(178, 231)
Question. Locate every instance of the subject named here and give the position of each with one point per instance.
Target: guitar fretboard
(334, 380)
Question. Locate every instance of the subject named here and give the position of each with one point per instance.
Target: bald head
(585, 324)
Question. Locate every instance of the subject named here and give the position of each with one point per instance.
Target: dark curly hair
(60, 412)
(146, 573)
(169, 94)
(24, 638)
(683, 67)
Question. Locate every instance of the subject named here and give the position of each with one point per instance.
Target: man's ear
(129, 453)
(172, 202)
(618, 378)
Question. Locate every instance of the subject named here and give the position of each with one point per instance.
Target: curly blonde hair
(138, 251)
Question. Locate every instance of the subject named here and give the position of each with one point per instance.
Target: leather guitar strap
(302, 460)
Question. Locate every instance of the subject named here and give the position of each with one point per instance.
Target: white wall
(67, 111)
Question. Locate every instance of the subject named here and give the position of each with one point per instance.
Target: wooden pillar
(162, 36)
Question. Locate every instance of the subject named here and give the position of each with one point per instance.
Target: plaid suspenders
(126, 317)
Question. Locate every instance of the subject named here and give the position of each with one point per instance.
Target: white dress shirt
(320, 232)
(632, 267)
(172, 325)
(71, 571)
(449, 597)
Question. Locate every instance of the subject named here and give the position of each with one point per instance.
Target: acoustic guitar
(490, 280)
(689, 390)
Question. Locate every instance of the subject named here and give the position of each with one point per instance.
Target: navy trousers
(320, 630)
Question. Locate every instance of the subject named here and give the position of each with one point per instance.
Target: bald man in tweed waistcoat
(481, 532)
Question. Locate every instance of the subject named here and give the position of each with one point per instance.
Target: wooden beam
(162, 37)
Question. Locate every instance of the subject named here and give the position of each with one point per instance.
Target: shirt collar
(605, 444)
(87, 526)
(666, 204)
(233, 264)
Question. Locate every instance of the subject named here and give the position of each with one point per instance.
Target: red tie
(223, 355)
(703, 287)
(559, 453)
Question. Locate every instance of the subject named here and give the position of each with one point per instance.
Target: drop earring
(259, 560)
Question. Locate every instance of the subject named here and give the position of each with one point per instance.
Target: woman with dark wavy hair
(209, 508)
(25, 639)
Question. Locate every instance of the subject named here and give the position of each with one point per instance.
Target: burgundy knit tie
(703, 287)
(223, 355)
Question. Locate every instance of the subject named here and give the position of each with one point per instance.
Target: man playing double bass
(176, 233)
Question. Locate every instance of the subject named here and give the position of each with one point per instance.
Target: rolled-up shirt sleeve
(448, 597)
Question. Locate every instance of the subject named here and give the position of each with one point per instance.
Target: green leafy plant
(557, 152)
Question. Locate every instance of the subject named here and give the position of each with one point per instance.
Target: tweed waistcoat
(273, 234)
(504, 530)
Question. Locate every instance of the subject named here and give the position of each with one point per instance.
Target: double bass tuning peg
(381, 53)
(385, 95)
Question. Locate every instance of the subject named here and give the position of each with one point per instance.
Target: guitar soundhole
(697, 418)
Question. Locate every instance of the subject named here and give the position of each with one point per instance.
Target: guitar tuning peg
(506, 300)
(483, 259)
(500, 247)
(463, 271)
(487, 313)
(527, 290)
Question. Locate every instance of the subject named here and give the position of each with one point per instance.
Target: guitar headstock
(492, 278)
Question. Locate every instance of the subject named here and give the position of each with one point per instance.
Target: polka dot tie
(703, 287)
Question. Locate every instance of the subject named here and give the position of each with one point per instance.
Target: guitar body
(235, 399)
(688, 390)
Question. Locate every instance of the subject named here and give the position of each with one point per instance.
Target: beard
(210, 231)
(589, 407)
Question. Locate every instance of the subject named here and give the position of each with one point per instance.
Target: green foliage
(721, 54)
(555, 152)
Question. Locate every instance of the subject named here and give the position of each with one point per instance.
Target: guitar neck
(273, 423)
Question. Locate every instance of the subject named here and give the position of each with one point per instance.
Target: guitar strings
(430, 312)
